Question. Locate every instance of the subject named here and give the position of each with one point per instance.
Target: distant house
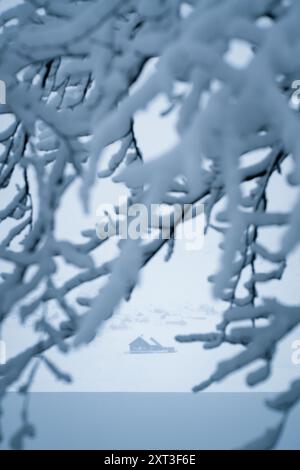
(141, 346)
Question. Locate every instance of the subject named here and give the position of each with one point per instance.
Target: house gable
(139, 343)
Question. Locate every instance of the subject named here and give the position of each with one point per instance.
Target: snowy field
(106, 365)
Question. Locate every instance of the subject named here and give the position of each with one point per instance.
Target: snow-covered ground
(112, 368)
(106, 365)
